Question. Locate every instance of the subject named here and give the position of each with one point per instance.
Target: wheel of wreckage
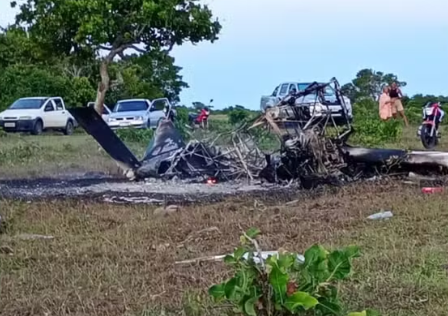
(428, 141)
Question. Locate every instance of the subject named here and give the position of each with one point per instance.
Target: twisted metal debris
(313, 148)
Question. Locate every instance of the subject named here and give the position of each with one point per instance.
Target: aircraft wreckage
(307, 154)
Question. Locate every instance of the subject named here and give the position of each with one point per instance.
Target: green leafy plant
(238, 116)
(369, 129)
(285, 284)
(141, 136)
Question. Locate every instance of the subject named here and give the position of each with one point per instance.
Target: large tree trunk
(103, 86)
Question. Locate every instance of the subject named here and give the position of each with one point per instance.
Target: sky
(266, 42)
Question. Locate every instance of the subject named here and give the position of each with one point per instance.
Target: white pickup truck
(284, 89)
(37, 114)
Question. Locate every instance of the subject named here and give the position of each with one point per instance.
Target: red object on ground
(212, 181)
(428, 190)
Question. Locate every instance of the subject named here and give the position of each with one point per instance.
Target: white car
(137, 113)
(36, 115)
(106, 112)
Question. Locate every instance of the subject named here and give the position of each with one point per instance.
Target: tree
(17, 48)
(17, 81)
(368, 84)
(90, 26)
(146, 76)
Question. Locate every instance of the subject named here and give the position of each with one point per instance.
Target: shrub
(182, 115)
(238, 116)
(142, 136)
(369, 129)
(284, 284)
(374, 132)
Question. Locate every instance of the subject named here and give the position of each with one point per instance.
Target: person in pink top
(385, 104)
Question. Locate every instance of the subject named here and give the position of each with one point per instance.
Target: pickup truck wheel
(68, 128)
(38, 127)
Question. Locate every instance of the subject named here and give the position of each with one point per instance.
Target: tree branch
(140, 50)
(170, 48)
(105, 47)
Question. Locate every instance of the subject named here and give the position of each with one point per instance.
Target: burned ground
(116, 259)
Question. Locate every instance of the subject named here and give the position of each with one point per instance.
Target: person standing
(385, 104)
(397, 107)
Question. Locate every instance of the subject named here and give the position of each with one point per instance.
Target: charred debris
(313, 147)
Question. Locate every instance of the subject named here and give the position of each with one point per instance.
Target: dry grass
(119, 260)
(219, 117)
(25, 156)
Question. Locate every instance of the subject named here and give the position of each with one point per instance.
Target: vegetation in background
(86, 28)
(369, 130)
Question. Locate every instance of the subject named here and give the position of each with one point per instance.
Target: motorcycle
(195, 120)
(428, 130)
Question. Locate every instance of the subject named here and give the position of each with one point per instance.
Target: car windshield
(328, 91)
(130, 106)
(27, 104)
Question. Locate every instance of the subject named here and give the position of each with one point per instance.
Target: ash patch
(113, 190)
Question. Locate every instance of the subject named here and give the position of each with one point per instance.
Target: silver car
(137, 113)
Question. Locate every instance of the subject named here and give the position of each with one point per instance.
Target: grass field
(119, 260)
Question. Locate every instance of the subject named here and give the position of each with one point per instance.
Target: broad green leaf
(279, 281)
(217, 291)
(285, 261)
(242, 280)
(300, 299)
(239, 253)
(352, 251)
(372, 312)
(249, 306)
(315, 255)
(229, 259)
(230, 288)
(253, 232)
(339, 265)
(316, 263)
(329, 307)
(363, 313)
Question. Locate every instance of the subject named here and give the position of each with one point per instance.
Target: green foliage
(87, 24)
(368, 84)
(81, 92)
(182, 115)
(369, 129)
(132, 135)
(238, 116)
(86, 27)
(143, 136)
(284, 284)
(25, 80)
